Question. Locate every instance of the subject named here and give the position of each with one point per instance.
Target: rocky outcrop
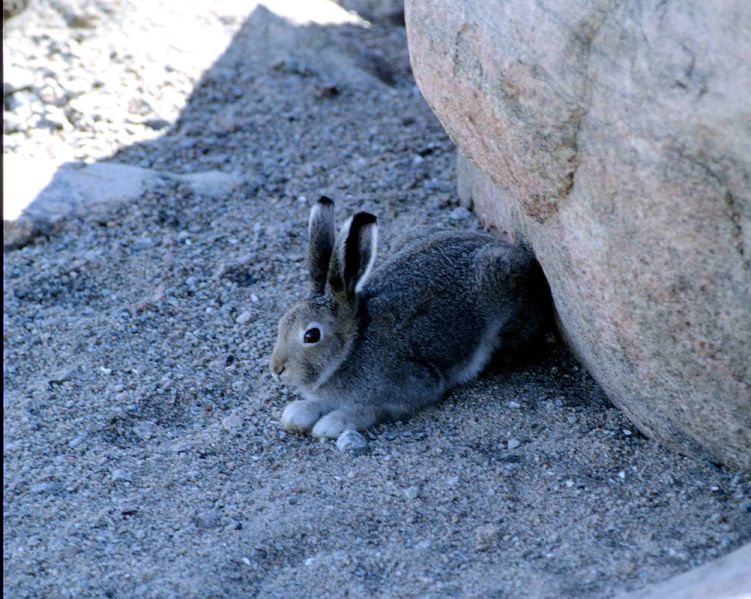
(615, 138)
(41, 195)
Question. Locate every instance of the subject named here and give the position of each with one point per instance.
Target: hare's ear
(354, 255)
(320, 243)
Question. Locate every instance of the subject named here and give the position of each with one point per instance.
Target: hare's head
(315, 334)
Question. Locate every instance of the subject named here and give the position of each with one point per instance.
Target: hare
(368, 345)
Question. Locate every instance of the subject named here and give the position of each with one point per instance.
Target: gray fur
(427, 319)
(321, 243)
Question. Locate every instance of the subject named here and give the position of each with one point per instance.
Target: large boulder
(615, 138)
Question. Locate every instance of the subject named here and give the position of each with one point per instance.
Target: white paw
(332, 425)
(300, 416)
(335, 423)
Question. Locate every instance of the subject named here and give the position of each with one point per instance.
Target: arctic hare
(368, 344)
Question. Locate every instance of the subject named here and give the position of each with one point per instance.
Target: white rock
(352, 441)
(460, 213)
(42, 193)
(411, 492)
(232, 423)
(119, 475)
(244, 317)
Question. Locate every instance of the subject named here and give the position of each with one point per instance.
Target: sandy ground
(142, 452)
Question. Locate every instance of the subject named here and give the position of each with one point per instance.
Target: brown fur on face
(304, 365)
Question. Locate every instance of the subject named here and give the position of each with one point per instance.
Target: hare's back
(423, 304)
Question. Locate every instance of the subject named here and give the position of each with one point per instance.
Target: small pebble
(128, 509)
(244, 318)
(411, 492)
(232, 422)
(207, 519)
(513, 443)
(76, 441)
(485, 536)
(121, 476)
(157, 123)
(183, 446)
(144, 430)
(352, 442)
(460, 213)
(144, 243)
(47, 487)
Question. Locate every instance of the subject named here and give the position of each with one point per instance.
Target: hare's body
(426, 320)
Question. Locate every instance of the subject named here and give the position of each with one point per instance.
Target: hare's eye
(312, 335)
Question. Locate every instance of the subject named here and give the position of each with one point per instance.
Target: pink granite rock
(615, 137)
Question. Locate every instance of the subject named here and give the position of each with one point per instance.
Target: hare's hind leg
(511, 284)
(501, 268)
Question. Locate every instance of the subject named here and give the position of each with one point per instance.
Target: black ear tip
(362, 219)
(325, 201)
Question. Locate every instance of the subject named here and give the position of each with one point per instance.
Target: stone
(157, 123)
(245, 317)
(76, 441)
(39, 194)
(128, 509)
(351, 441)
(144, 430)
(459, 213)
(486, 536)
(212, 184)
(51, 487)
(613, 139)
(207, 519)
(724, 578)
(232, 423)
(17, 78)
(411, 492)
(121, 476)
(513, 443)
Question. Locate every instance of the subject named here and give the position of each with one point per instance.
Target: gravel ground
(142, 451)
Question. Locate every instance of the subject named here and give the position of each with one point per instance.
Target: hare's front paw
(335, 423)
(300, 416)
